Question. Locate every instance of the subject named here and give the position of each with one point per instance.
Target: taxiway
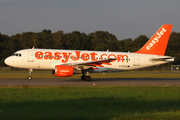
(96, 82)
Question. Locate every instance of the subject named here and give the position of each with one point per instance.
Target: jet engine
(64, 71)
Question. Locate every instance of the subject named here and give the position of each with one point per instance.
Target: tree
(173, 48)
(139, 42)
(127, 45)
(58, 38)
(98, 40)
(101, 40)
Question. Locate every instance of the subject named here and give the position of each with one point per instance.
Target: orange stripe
(94, 68)
(95, 65)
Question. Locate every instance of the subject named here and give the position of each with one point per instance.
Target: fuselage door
(136, 60)
(31, 56)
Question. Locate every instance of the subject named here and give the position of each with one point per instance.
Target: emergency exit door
(136, 60)
(30, 56)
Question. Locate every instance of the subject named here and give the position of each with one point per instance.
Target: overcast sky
(123, 18)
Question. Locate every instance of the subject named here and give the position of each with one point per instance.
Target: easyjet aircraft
(65, 63)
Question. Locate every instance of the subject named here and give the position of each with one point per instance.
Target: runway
(93, 82)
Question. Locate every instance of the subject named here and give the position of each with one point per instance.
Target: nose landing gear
(30, 73)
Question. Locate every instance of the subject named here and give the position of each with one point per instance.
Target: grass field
(127, 74)
(90, 103)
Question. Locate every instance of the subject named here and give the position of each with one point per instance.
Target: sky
(123, 18)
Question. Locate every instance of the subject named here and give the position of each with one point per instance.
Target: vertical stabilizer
(158, 42)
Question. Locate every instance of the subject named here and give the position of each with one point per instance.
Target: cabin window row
(74, 57)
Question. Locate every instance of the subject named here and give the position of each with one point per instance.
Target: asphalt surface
(93, 82)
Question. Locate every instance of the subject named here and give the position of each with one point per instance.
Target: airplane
(65, 63)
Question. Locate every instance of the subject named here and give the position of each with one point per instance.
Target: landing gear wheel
(83, 77)
(30, 73)
(29, 78)
(88, 78)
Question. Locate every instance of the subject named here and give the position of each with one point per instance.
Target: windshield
(17, 54)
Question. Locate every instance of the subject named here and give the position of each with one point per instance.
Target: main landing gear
(30, 73)
(86, 77)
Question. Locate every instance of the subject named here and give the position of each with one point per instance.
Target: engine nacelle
(64, 71)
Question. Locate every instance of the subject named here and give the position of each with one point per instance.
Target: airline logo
(156, 38)
(65, 56)
(64, 71)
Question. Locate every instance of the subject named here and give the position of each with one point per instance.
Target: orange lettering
(77, 56)
(66, 57)
(103, 55)
(57, 56)
(85, 57)
(93, 56)
(119, 57)
(39, 55)
(48, 55)
(110, 57)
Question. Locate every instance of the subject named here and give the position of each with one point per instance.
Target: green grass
(90, 103)
(127, 74)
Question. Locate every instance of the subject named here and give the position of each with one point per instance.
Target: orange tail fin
(158, 42)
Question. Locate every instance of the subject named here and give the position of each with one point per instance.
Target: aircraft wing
(97, 63)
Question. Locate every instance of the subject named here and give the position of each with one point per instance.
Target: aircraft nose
(8, 61)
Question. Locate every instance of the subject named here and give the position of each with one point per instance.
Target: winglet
(158, 42)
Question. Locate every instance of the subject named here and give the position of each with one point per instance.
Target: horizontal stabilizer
(163, 59)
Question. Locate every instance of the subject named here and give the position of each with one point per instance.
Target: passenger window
(19, 55)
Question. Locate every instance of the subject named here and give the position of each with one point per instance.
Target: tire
(83, 77)
(29, 78)
(88, 78)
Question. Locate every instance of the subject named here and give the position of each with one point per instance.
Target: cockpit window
(17, 54)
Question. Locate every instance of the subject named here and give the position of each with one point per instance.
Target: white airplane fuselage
(47, 59)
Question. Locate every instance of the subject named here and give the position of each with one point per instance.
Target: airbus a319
(65, 63)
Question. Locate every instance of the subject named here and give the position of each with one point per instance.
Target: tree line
(99, 41)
